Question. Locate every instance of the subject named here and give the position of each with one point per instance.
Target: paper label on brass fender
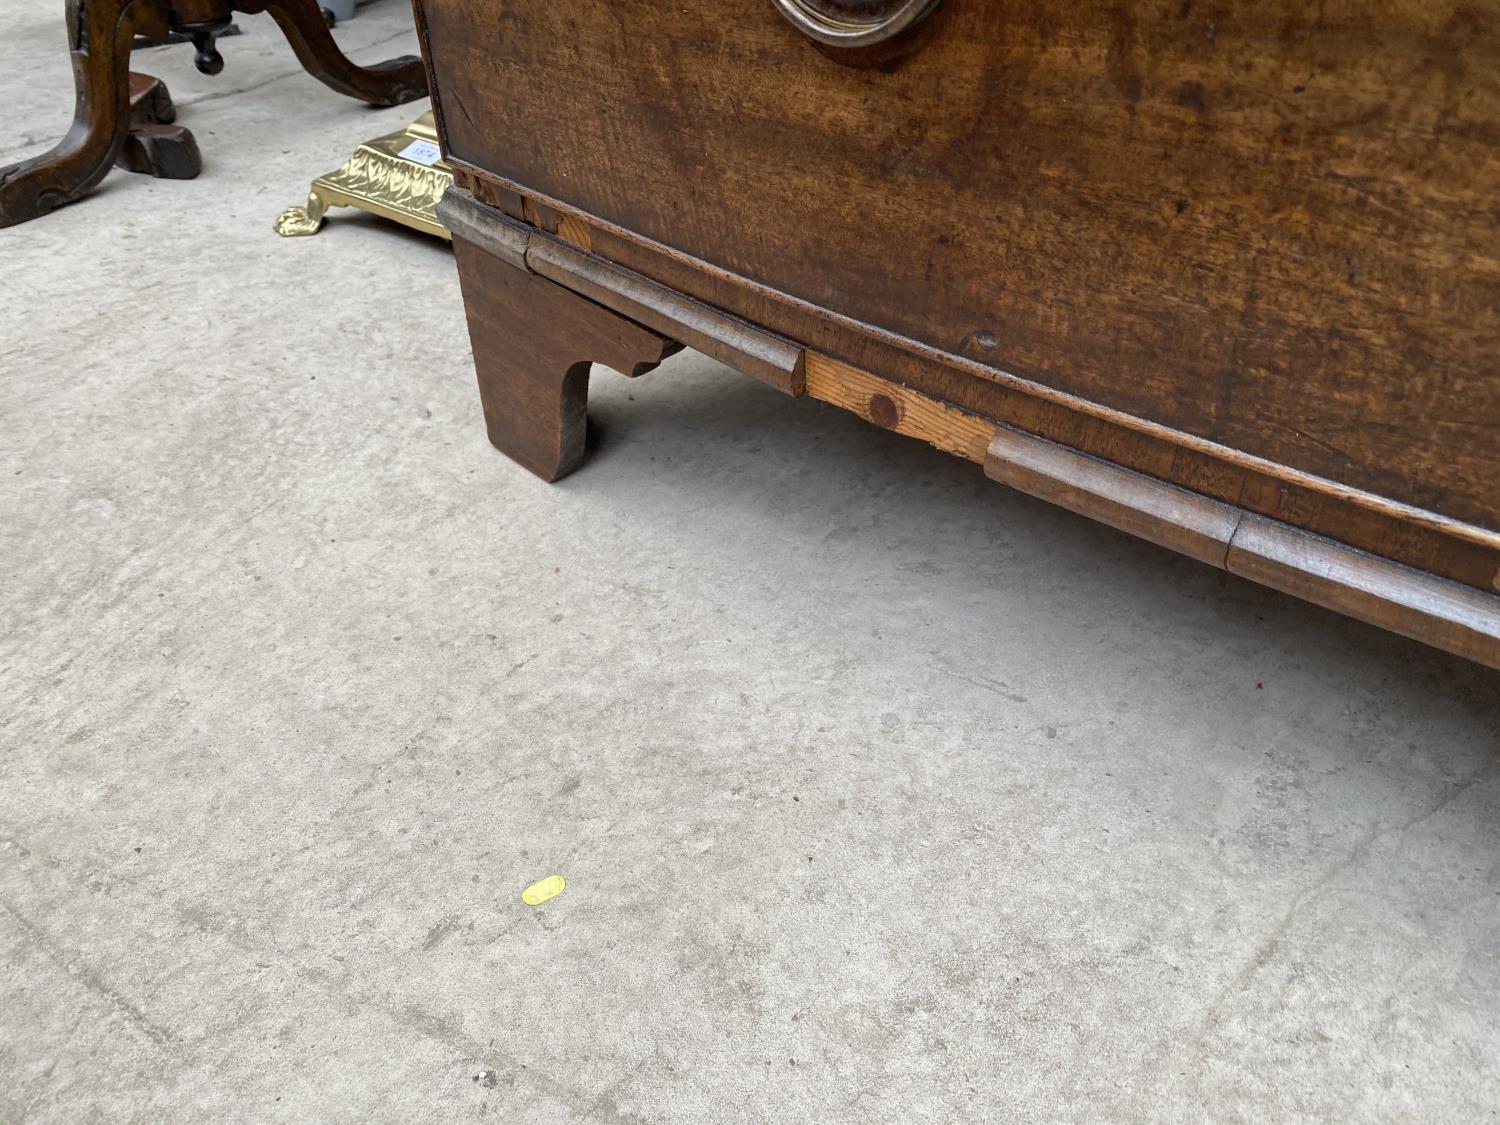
(422, 152)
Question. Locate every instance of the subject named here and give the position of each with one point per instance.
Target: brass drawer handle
(853, 23)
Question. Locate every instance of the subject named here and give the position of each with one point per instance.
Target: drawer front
(1270, 224)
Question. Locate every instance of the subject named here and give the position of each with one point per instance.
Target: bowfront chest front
(1225, 275)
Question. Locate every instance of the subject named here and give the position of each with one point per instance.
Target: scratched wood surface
(1271, 225)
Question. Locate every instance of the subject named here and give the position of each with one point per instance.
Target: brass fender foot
(299, 222)
(398, 176)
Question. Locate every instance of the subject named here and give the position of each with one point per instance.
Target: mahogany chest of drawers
(1225, 275)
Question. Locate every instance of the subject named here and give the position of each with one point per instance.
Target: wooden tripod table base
(127, 120)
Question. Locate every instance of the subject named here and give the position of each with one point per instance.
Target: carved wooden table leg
(392, 82)
(100, 34)
(533, 343)
(117, 122)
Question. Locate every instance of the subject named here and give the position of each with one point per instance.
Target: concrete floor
(884, 794)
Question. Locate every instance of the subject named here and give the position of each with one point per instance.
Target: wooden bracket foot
(533, 344)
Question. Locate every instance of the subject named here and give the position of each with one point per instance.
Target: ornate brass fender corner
(400, 177)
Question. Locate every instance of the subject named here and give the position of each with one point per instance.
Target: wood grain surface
(1269, 226)
(1443, 614)
(1149, 509)
(750, 349)
(894, 407)
(1432, 610)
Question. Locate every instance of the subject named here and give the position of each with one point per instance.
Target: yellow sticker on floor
(543, 889)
